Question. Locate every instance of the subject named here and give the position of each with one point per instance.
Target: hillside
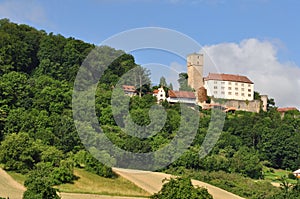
(38, 135)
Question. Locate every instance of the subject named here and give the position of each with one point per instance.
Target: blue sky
(270, 28)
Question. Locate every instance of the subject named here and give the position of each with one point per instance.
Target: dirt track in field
(9, 187)
(149, 181)
(152, 182)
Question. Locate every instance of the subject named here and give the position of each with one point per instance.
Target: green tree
(181, 188)
(163, 82)
(39, 185)
(183, 82)
(246, 162)
(19, 152)
(14, 89)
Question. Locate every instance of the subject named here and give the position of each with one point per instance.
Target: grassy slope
(20, 178)
(94, 184)
(91, 183)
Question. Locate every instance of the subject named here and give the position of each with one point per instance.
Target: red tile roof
(181, 94)
(228, 77)
(286, 109)
(128, 88)
(155, 91)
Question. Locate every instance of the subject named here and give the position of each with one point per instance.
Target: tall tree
(162, 82)
(183, 82)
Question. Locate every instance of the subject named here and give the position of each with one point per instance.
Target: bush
(91, 164)
(181, 188)
(63, 173)
(39, 185)
(292, 176)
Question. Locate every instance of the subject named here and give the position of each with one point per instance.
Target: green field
(274, 175)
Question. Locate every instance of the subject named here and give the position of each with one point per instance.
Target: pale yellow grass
(94, 184)
(20, 178)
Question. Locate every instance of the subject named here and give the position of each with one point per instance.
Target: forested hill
(37, 132)
(39, 139)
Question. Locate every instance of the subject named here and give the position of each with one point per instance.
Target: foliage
(232, 182)
(183, 82)
(39, 185)
(181, 188)
(19, 152)
(84, 159)
(288, 191)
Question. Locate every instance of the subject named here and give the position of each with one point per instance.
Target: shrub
(181, 188)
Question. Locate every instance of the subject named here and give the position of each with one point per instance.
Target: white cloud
(29, 11)
(259, 61)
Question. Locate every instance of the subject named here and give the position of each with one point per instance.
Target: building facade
(160, 94)
(129, 90)
(227, 86)
(185, 97)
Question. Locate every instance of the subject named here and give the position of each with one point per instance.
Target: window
(215, 82)
(249, 85)
(222, 82)
(229, 93)
(215, 92)
(249, 95)
(229, 88)
(242, 84)
(243, 94)
(243, 89)
(236, 88)
(215, 87)
(229, 83)
(236, 93)
(236, 83)
(223, 88)
(249, 90)
(223, 93)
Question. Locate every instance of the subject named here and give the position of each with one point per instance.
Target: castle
(233, 92)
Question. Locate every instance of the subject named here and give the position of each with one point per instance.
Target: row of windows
(229, 88)
(230, 83)
(230, 93)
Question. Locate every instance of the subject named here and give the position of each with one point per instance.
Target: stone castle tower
(195, 70)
